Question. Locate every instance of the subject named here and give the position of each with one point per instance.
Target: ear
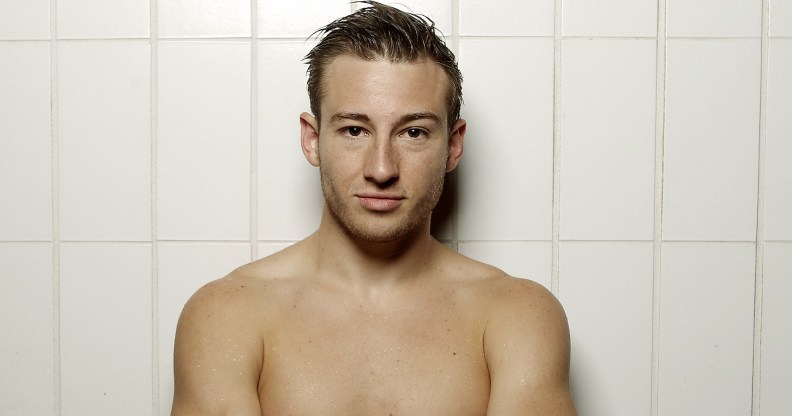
(456, 141)
(309, 138)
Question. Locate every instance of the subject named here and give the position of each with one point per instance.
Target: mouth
(380, 202)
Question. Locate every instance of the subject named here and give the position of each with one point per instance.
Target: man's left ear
(456, 142)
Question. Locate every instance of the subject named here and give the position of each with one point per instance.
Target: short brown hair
(382, 32)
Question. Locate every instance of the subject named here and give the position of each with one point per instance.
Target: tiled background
(631, 155)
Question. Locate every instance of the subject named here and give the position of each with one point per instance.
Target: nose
(381, 162)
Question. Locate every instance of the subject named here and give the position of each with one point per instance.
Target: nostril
(387, 183)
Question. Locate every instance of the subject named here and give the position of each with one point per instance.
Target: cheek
(432, 161)
(340, 171)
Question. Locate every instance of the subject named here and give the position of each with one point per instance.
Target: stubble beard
(361, 229)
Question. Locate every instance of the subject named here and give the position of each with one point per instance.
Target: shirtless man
(370, 315)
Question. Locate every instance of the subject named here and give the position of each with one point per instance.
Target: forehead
(383, 88)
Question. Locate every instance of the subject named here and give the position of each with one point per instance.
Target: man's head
(383, 33)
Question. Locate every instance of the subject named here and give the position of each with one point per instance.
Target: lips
(380, 202)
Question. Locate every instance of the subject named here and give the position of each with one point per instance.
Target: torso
(326, 353)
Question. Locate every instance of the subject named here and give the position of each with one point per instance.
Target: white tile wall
(26, 349)
(780, 18)
(606, 289)
(204, 118)
(104, 141)
(712, 136)
(506, 18)
(182, 269)
(513, 145)
(607, 18)
(778, 152)
(706, 327)
(203, 155)
(276, 19)
(97, 19)
(714, 18)
(524, 259)
(607, 139)
(290, 198)
(203, 18)
(28, 19)
(25, 142)
(105, 323)
(776, 330)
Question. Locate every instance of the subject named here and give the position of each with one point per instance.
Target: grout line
(556, 226)
(268, 241)
(454, 176)
(153, 99)
(254, 57)
(301, 39)
(660, 119)
(55, 178)
(756, 390)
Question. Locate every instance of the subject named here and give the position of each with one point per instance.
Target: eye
(415, 133)
(354, 131)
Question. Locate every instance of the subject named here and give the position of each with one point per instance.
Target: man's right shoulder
(251, 288)
(219, 348)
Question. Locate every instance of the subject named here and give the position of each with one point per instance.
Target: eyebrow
(421, 115)
(337, 117)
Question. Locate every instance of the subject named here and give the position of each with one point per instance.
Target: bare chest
(332, 362)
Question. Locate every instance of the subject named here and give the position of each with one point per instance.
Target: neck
(354, 262)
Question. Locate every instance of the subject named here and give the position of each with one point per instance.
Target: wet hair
(381, 32)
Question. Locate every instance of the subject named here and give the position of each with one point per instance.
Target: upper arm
(527, 350)
(217, 357)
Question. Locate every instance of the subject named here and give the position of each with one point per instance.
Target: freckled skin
(370, 315)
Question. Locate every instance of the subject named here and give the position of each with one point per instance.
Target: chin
(380, 235)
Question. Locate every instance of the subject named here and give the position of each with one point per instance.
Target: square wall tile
(714, 18)
(525, 259)
(104, 128)
(203, 18)
(290, 196)
(706, 329)
(25, 20)
(105, 317)
(506, 174)
(608, 100)
(26, 352)
(25, 142)
(609, 18)
(778, 150)
(300, 19)
(712, 140)
(92, 19)
(506, 17)
(606, 289)
(780, 18)
(776, 330)
(181, 270)
(203, 154)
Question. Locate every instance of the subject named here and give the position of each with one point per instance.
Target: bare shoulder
(504, 293)
(526, 344)
(219, 349)
(525, 301)
(237, 297)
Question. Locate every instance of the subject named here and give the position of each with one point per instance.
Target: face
(383, 147)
